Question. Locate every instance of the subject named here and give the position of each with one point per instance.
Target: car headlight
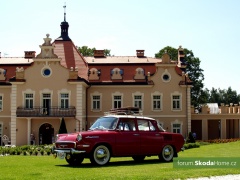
(79, 137)
(56, 138)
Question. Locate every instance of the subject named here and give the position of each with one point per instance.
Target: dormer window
(117, 73)
(94, 74)
(2, 74)
(139, 74)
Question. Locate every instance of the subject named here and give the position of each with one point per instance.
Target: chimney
(140, 53)
(29, 54)
(98, 53)
(181, 60)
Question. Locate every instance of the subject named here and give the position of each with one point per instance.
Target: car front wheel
(167, 153)
(101, 155)
(74, 160)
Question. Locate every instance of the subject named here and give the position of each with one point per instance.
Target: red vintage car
(119, 134)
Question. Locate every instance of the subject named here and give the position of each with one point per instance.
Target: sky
(210, 28)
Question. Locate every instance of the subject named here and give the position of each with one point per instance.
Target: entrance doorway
(46, 134)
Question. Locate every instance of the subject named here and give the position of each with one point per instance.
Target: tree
(193, 70)
(86, 51)
(62, 129)
(221, 96)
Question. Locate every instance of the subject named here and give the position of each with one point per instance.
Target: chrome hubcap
(101, 153)
(167, 152)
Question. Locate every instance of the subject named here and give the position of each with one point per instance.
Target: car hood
(73, 136)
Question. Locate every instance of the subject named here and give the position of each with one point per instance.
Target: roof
(121, 60)
(11, 70)
(70, 57)
(15, 60)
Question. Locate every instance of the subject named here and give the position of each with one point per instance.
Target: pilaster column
(13, 114)
(223, 128)
(29, 131)
(204, 129)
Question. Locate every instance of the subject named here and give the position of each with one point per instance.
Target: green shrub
(191, 145)
(42, 152)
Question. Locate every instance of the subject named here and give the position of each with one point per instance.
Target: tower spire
(64, 28)
(64, 11)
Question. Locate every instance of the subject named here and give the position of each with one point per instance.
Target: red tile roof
(70, 56)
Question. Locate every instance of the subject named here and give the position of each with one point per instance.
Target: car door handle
(136, 134)
(157, 134)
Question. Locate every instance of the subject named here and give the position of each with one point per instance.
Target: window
(126, 125)
(176, 102)
(166, 76)
(116, 73)
(46, 71)
(176, 128)
(29, 100)
(156, 102)
(64, 100)
(1, 103)
(144, 125)
(96, 102)
(117, 101)
(138, 101)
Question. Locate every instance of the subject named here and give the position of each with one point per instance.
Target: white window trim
(96, 94)
(28, 91)
(161, 101)
(117, 94)
(180, 100)
(177, 122)
(2, 102)
(63, 91)
(138, 94)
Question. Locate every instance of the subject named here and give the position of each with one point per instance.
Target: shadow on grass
(114, 164)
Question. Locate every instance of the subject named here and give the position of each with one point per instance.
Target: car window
(126, 125)
(145, 125)
(105, 123)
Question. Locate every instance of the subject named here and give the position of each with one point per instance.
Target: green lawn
(46, 167)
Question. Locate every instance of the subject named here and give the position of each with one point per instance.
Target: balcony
(46, 112)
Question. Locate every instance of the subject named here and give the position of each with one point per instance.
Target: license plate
(61, 155)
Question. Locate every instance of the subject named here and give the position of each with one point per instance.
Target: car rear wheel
(138, 158)
(74, 160)
(167, 153)
(101, 155)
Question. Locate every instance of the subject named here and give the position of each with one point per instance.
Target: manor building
(37, 92)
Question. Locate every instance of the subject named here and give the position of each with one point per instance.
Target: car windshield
(105, 123)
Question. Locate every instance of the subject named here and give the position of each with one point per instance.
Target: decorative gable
(46, 49)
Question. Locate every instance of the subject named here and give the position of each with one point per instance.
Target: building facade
(37, 92)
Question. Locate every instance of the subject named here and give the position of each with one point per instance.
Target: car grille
(65, 145)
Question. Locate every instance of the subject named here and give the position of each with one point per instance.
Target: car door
(127, 138)
(150, 138)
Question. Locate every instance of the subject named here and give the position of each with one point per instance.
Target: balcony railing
(52, 111)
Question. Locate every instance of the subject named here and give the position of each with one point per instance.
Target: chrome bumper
(70, 151)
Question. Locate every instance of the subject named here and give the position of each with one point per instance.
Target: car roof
(131, 116)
